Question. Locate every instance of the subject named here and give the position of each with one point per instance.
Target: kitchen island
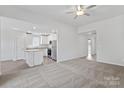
(34, 57)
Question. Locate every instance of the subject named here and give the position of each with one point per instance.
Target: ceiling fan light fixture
(80, 10)
(79, 13)
(79, 7)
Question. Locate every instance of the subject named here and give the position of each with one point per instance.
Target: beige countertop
(32, 50)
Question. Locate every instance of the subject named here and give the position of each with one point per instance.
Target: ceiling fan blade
(75, 16)
(87, 14)
(70, 12)
(75, 7)
(82, 6)
(91, 6)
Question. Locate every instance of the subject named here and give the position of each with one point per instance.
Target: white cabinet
(34, 57)
(30, 58)
(38, 57)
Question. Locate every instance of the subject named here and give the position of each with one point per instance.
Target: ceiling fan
(80, 10)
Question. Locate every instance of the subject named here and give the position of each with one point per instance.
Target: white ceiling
(57, 12)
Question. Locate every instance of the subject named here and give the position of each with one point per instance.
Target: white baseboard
(110, 62)
(71, 59)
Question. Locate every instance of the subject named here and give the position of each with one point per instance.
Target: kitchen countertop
(32, 50)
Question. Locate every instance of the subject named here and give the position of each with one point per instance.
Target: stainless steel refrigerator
(54, 50)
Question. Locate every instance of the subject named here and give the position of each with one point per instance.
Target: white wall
(72, 44)
(12, 41)
(52, 36)
(45, 40)
(0, 47)
(83, 45)
(68, 46)
(110, 39)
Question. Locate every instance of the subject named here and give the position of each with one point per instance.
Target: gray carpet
(71, 74)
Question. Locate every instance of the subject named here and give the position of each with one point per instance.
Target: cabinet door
(38, 58)
(30, 58)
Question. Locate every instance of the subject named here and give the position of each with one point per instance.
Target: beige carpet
(74, 73)
(8, 67)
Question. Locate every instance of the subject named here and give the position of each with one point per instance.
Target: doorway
(51, 52)
(48, 42)
(91, 46)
